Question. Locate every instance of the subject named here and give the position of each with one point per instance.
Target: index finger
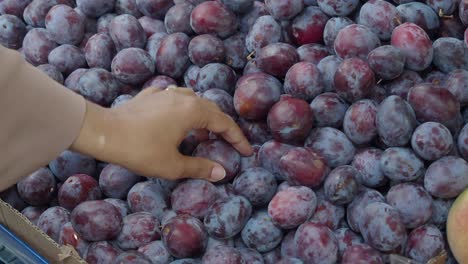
(222, 124)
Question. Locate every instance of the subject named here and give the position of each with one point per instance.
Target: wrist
(95, 137)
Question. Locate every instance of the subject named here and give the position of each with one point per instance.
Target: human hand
(143, 134)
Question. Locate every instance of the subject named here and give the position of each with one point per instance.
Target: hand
(143, 134)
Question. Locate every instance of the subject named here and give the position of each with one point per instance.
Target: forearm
(39, 118)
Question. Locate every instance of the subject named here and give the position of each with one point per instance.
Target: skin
(145, 139)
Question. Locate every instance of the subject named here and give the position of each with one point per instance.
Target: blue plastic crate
(14, 251)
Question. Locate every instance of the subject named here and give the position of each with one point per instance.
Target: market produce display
(357, 112)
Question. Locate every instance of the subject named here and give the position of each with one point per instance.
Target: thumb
(196, 167)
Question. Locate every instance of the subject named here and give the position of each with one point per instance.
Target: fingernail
(218, 173)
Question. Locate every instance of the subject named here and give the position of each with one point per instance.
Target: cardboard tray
(35, 238)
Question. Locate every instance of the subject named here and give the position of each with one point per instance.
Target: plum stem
(251, 55)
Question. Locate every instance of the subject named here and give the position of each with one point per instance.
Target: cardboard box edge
(34, 237)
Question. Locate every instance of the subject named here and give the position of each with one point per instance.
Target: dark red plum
(382, 227)
(67, 58)
(256, 184)
(101, 252)
(12, 31)
(412, 201)
(206, 48)
(77, 189)
(431, 141)
(340, 8)
(184, 236)
(248, 19)
(138, 229)
(127, 7)
(95, 8)
(156, 252)
(257, 132)
(127, 32)
(153, 44)
(148, 197)
(236, 51)
(463, 142)
(446, 177)
(266, 30)
(71, 81)
(132, 66)
(35, 12)
(260, 233)
(449, 54)
(346, 238)
(177, 19)
(68, 236)
(32, 213)
(194, 197)
(96, 220)
(419, 14)
(329, 110)
(221, 152)
(455, 81)
(37, 44)
(303, 166)
(160, 82)
(433, 104)
(425, 243)
(414, 42)
(154, 8)
(172, 56)
(361, 254)
(121, 205)
(341, 185)
(293, 206)
(69, 163)
(359, 121)
(395, 121)
(284, 9)
(367, 163)
(65, 25)
(308, 26)
(270, 154)
(132, 257)
(328, 214)
(402, 84)
(13, 7)
(115, 181)
(52, 72)
(151, 25)
(355, 209)
(212, 17)
(303, 80)
(38, 188)
(276, 58)
(387, 61)
(99, 51)
(312, 53)
(216, 75)
(255, 94)
(223, 254)
(103, 22)
(379, 16)
(401, 164)
(332, 144)
(354, 79)
(355, 41)
(99, 86)
(316, 243)
(52, 221)
(290, 120)
(332, 27)
(226, 217)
